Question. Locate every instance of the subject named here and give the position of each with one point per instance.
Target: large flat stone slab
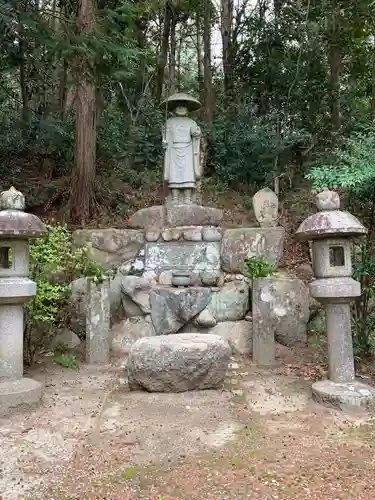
(239, 242)
(193, 215)
(190, 256)
(178, 363)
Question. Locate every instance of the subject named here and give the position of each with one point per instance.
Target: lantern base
(343, 395)
(19, 392)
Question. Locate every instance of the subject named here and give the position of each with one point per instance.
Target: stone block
(173, 307)
(211, 234)
(264, 309)
(109, 247)
(152, 234)
(193, 215)
(239, 242)
(19, 392)
(67, 338)
(231, 302)
(239, 335)
(285, 301)
(150, 217)
(178, 363)
(128, 331)
(184, 256)
(344, 395)
(266, 206)
(98, 323)
(192, 233)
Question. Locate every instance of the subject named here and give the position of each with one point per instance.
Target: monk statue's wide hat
(181, 99)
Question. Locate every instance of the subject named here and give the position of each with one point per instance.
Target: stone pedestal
(16, 227)
(263, 322)
(331, 231)
(97, 323)
(340, 345)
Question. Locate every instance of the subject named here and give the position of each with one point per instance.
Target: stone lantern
(331, 231)
(16, 228)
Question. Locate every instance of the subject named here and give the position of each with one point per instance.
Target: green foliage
(66, 361)
(352, 166)
(258, 267)
(363, 319)
(53, 266)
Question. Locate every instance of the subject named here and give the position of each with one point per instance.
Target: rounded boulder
(178, 363)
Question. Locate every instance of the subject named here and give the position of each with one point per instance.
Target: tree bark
(82, 200)
(208, 89)
(226, 36)
(172, 54)
(163, 55)
(334, 83)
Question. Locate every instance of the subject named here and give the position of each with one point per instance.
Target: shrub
(258, 267)
(53, 266)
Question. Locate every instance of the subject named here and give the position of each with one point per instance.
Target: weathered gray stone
(205, 319)
(66, 338)
(152, 234)
(98, 323)
(182, 256)
(210, 278)
(78, 301)
(178, 363)
(171, 234)
(150, 217)
(172, 308)
(264, 306)
(150, 276)
(131, 309)
(240, 242)
(136, 299)
(211, 234)
(192, 234)
(128, 331)
(231, 302)
(266, 206)
(109, 247)
(193, 215)
(318, 324)
(343, 395)
(239, 335)
(165, 278)
(24, 391)
(283, 306)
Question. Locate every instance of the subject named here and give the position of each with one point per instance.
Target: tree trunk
(334, 59)
(226, 36)
(23, 85)
(163, 55)
(334, 83)
(82, 200)
(172, 55)
(208, 89)
(199, 55)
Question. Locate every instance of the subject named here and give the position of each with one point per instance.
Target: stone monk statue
(181, 142)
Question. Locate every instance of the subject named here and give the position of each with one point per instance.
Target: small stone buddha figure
(181, 142)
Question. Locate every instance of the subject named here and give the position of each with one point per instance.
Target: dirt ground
(262, 437)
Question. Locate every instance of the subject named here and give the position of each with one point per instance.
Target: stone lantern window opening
(332, 258)
(336, 256)
(6, 257)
